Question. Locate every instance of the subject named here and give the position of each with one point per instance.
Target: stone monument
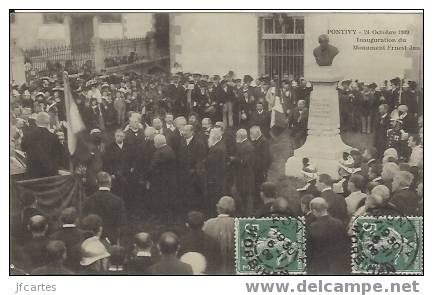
(323, 146)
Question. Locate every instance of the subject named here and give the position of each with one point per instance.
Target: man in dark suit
(160, 129)
(369, 157)
(116, 163)
(176, 137)
(142, 257)
(229, 141)
(134, 137)
(386, 93)
(179, 97)
(394, 95)
(288, 98)
(246, 107)
(261, 89)
(298, 120)
(374, 176)
(71, 236)
(214, 110)
(403, 197)
(108, 206)
(146, 150)
(35, 248)
(336, 204)
(262, 118)
(304, 91)
(200, 98)
(178, 143)
(409, 96)
(268, 195)
(243, 166)
(306, 209)
(215, 165)
(206, 126)
(56, 254)
(134, 134)
(262, 156)
(328, 246)
(381, 127)
(195, 240)
(162, 172)
(169, 264)
(43, 149)
(345, 99)
(196, 152)
(226, 96)
(228, 138)
(409, 123)
(247, 85)
(169, 122)
(171, 90)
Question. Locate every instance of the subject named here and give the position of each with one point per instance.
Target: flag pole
(67, 88)
(401, 89)
(74, 123)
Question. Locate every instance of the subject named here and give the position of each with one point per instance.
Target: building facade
(282, 43)
(42, 40)
(53, 29)
(252, 43)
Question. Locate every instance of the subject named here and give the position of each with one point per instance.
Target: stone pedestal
(99, 54)
(97, 45)
(323, 146)
(17, 69)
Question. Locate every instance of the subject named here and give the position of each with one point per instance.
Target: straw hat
(92, 250)
(196, 260)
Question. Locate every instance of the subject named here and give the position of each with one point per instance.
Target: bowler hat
(248, 78)
(372, 85)
(395, 81)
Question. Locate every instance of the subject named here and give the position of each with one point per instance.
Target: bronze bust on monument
(325, 52)
(323, 146)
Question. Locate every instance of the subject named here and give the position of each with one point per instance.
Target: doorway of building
(81, 32)
(161, 26)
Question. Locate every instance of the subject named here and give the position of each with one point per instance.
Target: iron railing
(129, 51)
(116, 52)
(51, 58)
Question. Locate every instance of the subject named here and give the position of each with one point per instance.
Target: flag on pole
(74, 122)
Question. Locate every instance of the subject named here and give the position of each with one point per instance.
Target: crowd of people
(198, 146)
(391, 111)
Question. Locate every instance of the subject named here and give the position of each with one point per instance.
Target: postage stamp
(270, 246)
(387, 245)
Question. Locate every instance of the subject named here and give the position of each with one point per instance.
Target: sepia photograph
(267, 142)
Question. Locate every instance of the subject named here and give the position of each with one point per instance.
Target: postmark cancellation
(387, 245)
(270, 246)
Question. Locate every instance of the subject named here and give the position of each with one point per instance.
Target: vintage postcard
(284, 142)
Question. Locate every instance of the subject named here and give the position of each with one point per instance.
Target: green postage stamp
(387, 245)
(270, 246)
